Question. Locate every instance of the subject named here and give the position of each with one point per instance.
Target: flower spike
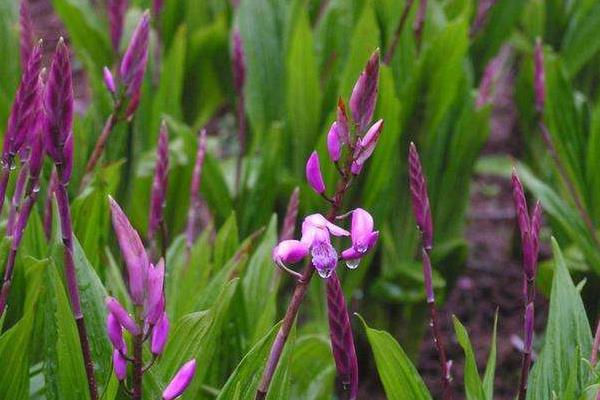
(420, 198)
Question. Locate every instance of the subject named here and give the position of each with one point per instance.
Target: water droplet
(36, 188)
(361, 247)
(353, 264)
(13, 167)
(324, 273)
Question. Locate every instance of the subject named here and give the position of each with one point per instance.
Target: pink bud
(334, 145)
(180, 381)
(364, 94)
(289, 251)
(119, 365)
(115, 333)
(160, 334)
(366, 145)
(121, 314)
(313, 173)
(109, 81)
(132, 250)
(156, 277)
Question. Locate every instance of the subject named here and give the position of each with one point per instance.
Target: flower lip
(324, 258)
(353, 254)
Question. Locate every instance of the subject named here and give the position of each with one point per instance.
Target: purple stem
(526, 361)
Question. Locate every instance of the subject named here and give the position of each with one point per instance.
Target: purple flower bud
(291, 214)
(109, 81)
(427, 276)
(313, 173)
(180, 381)
(116, 10)
(356, 168)
(342, 341)
(540, 76)
(238, 61)
(536, 225)
(154, 294)
(289, 252)
(160, 183)
(116, 309)
(364, 94)
(36, 154)
(119, 365)
(25, 33)
(528, 328)
(195, 199)
(133, 65)
(342, 122)
(115, 333)
(334, 143)
(420, 198)
(366, 145)
(520, 204)
(160, 334)
(26, 108)
(58, 105)
(132, 250)
(48, 204)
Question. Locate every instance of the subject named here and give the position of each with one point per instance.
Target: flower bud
(313, 173)
(289, 252)
(133, 65)
(154, 295)
(121, 314)
(115, 333)
(180, 381)
(119, 365)
(366, 145)
(109, 81)
(364, 94)
(116, 10)
(420, 197)
(334, 144)
(160, 334)
(133, 252)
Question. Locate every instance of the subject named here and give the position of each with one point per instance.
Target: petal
(290, 251)
(180, 381)
(313, 173)
(324, 258)
(362, 227)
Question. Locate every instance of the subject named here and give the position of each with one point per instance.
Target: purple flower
(115, 333)
(133, 252)
(119, 365)
(25, 33)
(315, 234)
(540, 76)
(289, 252)
(25, 110)
(180, 381)
(58, 106)
(313, 173)
(133, 65)
(365, 146)
(364, 94)
(109, 81)
(420, 198)
(334, 142)
(362, 235)
(159, 183)
(154, 294)
(116, 10)
(122, 316)
(160, 334)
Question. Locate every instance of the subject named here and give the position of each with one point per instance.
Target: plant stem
(62, 199)
(100, 144)
(297, 297)
(16, 241)
(526, 362)
(138, 366)
(398, 32)
(567, 180)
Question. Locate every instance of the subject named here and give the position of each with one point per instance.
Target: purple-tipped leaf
(120, 313)
(180, 381)
(420, 197)
(133, 252)
(159, 183)
(116, 10)
(313, 173)
(364, 94)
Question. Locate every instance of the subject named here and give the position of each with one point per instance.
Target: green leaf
(580, 42)
(567, 330)
(247, 374)
(303, 89)
(226, 242)
(312, 368)
(490, 369)
(399, 376)
(473, 385)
